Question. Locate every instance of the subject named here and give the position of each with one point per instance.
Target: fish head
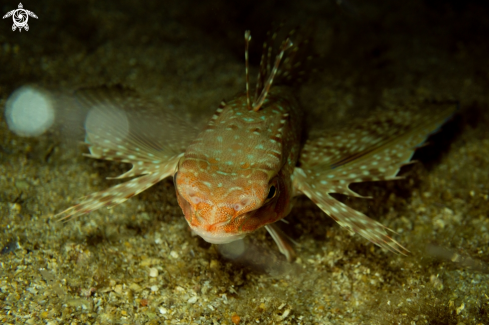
(224, 204)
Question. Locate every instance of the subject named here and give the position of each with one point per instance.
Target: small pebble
(153, 272)
(118, 289)
(235, 319)
(214, 264)
(193, 300)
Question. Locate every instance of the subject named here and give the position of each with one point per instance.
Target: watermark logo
(20, 17)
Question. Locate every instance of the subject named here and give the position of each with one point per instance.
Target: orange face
(222, 207)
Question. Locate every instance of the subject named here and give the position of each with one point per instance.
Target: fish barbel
(242, 170)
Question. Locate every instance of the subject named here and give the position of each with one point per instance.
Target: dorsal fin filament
(263, 68)
(259, 100)
(247, 44)
(266, 87)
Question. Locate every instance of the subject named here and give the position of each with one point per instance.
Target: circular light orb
(29, 111)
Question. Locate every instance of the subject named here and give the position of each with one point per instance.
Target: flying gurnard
(240, 172)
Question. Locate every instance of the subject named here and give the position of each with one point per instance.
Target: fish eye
(271, 192)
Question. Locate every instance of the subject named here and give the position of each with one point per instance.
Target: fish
(242, 170)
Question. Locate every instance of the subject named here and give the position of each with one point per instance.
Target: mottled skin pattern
(241, 172)
(225, 177)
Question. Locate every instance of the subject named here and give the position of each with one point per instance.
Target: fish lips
(217, 238)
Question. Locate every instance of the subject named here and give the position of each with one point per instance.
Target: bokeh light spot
(29, 111)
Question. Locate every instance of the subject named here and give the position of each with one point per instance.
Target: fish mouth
(217, 238)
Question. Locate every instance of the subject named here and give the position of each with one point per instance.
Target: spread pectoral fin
(347, 217)
(121, 126)
(373, 149)
(120, 193)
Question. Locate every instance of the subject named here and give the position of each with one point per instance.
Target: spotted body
(226, 175)
(241, 171)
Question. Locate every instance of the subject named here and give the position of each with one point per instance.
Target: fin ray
(284, 242)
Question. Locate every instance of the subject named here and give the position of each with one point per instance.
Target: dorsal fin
(291, 69)
(287, 44)
(261, 96)
(247, 44)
